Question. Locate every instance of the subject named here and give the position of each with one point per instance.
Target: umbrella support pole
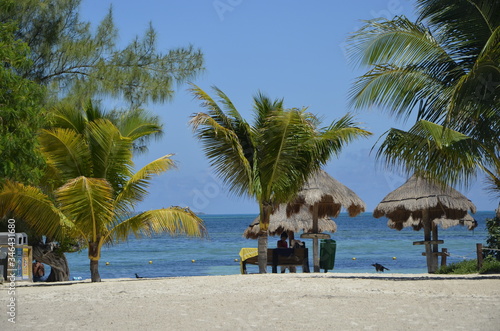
(315, 255)
(431, 247)
(315, 240)
(430, 258)
(315, 237)
(435, 248)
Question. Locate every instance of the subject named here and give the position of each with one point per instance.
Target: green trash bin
(327, 254)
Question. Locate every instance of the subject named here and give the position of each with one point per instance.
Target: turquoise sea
(364, 238)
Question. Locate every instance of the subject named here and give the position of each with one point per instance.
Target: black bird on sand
(379, 267)
(137, 276)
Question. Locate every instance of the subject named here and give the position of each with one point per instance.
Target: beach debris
(137, 276)
(379, 267)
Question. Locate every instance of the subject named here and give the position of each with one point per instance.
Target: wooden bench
(282, 257)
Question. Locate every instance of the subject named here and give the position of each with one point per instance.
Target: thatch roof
(405, 205)
(444, 223)
(329, 194)
(279, 222)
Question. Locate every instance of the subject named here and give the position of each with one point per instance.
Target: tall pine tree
(72, 60)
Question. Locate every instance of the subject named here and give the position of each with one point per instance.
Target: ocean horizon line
(341, 213)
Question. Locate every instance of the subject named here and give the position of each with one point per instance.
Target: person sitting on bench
(282, 243)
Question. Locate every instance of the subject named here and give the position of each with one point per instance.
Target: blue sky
(285, 48)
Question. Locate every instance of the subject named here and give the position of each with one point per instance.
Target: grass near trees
(490, 266)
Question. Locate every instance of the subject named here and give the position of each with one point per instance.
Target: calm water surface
(360, 241)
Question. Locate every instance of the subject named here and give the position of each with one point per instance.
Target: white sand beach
(261, 302)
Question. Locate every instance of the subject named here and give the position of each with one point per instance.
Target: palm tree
(271, 159)
(95, 203)
(435, 149)
(135, 123)
(446, 67)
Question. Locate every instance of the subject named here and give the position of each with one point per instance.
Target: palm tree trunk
(94, 271)
(265, 213)
(262, 249)
(94, 261)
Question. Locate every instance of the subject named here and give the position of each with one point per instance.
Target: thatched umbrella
(279, 222)
(421, 203)
(324, 196)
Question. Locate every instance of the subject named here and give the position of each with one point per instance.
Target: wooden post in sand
(444, 255)
(479, 252)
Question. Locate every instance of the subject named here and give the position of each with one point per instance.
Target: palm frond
(228, 105)
(445, 66)
(277, 154)
(264, 107)
(173, 220)
(93, 110)
(88, 202)
(229, 158)
(67, 115)
(138, 125)
(400, 90)
(227, 142)
(33, 206)
(111, 152)
(399, 42)
(284, 155)
(214, 110)
(493, 179)
(447, 155)
(135, 189)
(67, 151)
(462, 33)
(475, 97)
(331, 140)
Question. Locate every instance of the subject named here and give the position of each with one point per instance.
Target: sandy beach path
(262, 302)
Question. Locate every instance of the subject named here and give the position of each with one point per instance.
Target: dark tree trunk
(49, 255)
(262, 250)
(265, 213)
(94, 261)
(94, 271)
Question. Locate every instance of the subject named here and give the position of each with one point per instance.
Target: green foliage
(464, 267)
(442, 148)
(94, 189)
(493, 240)
(490, 266)
(75, 60)
(137, 123)
(271, 159)
(45, 46)
(49, 54)
(20, 112)
(445, 67)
